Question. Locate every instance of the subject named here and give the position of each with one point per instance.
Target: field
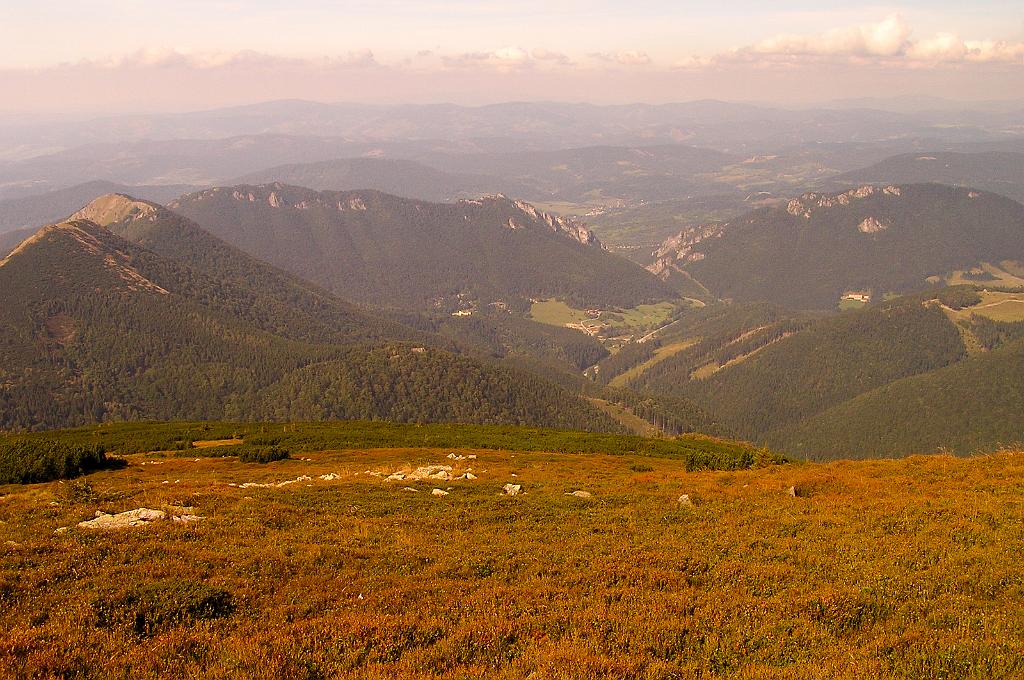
(1006, 274)
(905, 568)
(642, 317)
(996, 305)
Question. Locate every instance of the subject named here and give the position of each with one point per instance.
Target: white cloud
(623, 58)
(886, 38)
(890, 41)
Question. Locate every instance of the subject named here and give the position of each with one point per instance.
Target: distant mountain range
(866, 242)
(537, 125)
(95, 326)
(389, 175)
(387, 251)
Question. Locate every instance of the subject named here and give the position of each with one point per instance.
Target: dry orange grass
(904, 568)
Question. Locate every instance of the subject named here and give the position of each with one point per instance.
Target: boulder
(685, 500)
(512, 489)
(123, 520)
(580, 494)
(438, 492)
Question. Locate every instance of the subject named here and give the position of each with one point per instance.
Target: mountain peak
(117, 209)
(56, 245)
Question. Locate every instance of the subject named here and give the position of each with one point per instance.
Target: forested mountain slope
(94, 327)
(915, 374)
(872, 240)
(971, 406)
(388, 251)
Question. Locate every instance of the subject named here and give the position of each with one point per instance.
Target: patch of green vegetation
(263, 454)
(556, 313)
(25, 461)
(847, 304)
(695, 451)
(613, 320)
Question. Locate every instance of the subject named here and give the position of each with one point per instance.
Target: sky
(147, 55)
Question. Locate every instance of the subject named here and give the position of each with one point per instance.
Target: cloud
(502, 58)
(623, 58)
(888, 41)
(160, 58)
(541, 54)
(887, 38)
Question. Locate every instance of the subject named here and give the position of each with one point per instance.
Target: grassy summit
(868, 569)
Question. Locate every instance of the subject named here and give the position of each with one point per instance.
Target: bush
(148, 609)
(262, 454)
(27, 462)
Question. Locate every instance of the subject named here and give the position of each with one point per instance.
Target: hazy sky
(140, 55)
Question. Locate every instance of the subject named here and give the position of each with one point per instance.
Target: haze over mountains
(651, 268)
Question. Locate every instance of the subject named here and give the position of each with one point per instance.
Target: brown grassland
(897, 568)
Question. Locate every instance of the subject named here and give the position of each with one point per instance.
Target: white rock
(185, 519)
(395, 477)
(438, 492)
(409, 488)
(330, 477)
(469, 475)
(512, 489)
(580, 494)
(429, 472)
(791, 491)
(131, 518)
(685, 500)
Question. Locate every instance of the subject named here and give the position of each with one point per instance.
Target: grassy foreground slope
(875, 569)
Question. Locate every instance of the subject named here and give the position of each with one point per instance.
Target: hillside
(388, 251)
(321, 566)
(869, 240)
(96, 328)
(922, 373)
(971, 406)
(1001, 172)
(34, 211)
(388, 175)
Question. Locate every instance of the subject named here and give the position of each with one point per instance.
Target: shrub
(30, 461)
(262, 454)
(151, 608)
